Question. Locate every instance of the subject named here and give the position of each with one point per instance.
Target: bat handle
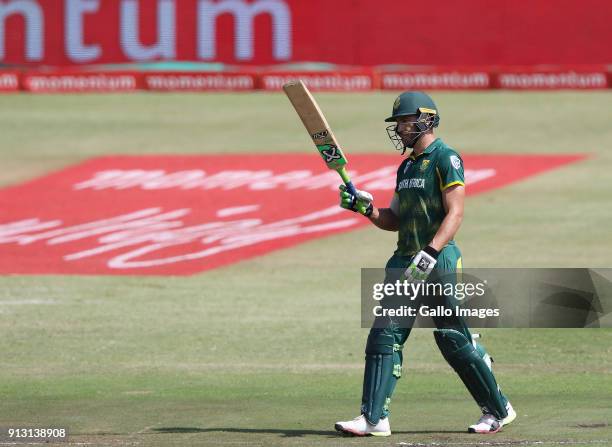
(351, 188)
(347, 181)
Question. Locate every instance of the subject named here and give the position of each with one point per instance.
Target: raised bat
(318, 129)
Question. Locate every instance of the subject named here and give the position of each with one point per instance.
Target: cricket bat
(310, 113)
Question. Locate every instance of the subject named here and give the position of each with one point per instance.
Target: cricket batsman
(426, 211)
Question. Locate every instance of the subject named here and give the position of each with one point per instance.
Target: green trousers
(384, 356)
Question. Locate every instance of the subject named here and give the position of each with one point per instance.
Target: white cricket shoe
(487, 424)
(361, 427)
(511, 415)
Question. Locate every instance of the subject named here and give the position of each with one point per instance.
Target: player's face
(406, 128)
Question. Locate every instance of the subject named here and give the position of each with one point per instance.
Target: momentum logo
(93, 30)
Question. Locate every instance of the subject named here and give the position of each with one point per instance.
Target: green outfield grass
(269, 351)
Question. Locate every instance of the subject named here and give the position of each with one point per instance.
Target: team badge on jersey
(425, 165)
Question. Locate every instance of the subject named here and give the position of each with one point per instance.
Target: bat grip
(347, 181)
(351, 188)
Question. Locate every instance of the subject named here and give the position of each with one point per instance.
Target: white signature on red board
(255, 180)
(156, 236)
(143, 233)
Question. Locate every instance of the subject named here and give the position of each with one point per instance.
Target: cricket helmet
(422, 107)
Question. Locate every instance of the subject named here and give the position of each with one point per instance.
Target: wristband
(431, 252)
(369, 210)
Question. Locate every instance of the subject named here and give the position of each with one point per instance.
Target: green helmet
(413, 103)
(416, 104)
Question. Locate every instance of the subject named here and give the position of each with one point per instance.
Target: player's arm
(386, 218)
(453, 198)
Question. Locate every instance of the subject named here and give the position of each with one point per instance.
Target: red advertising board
(350, 81)
(264, 32)
(190, 81)
(179, 215)
(433, 78)
(9, 81)
(551, 78)
(80, 82)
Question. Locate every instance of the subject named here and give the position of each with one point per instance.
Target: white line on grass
(500, 443)
(22, 302)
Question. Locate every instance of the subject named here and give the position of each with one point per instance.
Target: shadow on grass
(287, 433)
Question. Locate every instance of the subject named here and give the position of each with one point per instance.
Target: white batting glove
(361, 203)
(422, 265)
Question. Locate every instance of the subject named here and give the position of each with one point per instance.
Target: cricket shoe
(487, 424)
(361, 427)
(511, 415)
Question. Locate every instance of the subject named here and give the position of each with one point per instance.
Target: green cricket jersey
(419, 185)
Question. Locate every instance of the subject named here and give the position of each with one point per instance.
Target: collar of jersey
(428, 150)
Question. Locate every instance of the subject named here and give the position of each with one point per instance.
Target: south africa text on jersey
(411, 183)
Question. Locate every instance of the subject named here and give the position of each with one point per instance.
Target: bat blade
(321, 134)
(315, 123)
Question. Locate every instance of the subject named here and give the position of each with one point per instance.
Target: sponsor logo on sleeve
(455, 161)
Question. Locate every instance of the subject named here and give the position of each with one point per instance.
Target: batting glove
(422, 264)
(361, 203)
